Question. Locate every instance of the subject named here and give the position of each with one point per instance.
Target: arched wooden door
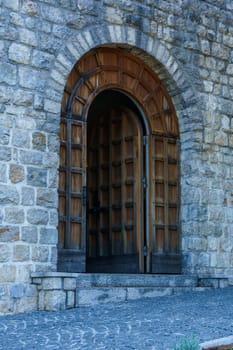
(157, 229)
(115, 215)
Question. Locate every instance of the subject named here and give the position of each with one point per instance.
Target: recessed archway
(155, 171)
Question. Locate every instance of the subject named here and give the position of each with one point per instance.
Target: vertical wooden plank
(68, 182)
(109, 137)
(166, 209)
(125, 236)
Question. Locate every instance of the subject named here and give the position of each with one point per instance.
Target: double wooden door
(115, 207)
(119, 168)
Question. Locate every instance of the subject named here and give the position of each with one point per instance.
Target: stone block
(37, 280)
(52, 283)
(30, 8)
(17, 291)
(53, 218)
(52, 106)
(28, 196)
(41, 59)
(23, 98)
(38, 102)
(92, 296)
(27, 36)
(25, 304)
(16, 19)
(3, 292)
(24, 272)
(19, 53)
(53, 178)
(40, 299)
(31, 158)
(7, 273)
(16, 173)
(14, 215)
(70, 283)
(70, 299)
(5, 253)
(26, 122)
(53, 255)
(223, 283)
(48, 236)
(9, 233)
(230, 69)
(31, 79)
(29, 234)
(37, 216)
(138, 293)
(39, 141)
(8, 73)
(21, 253)
(5, 153)
(54, 300)
(3, 172)
(37, 177)
(11, 4)
(21, 139)
(209, 282)
(6, 306)
(40, 253)
(47, 198)
(4, 136)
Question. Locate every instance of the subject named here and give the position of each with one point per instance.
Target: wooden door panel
(165, 217)
(116, 228)
(71, 252)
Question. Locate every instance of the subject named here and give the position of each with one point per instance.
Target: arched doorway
(118, 175)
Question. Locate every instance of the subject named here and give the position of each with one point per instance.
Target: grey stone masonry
(61, 291)
(189, 45)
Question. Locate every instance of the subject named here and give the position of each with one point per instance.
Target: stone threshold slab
(218, 344)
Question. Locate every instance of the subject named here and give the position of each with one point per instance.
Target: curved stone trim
(153, 52)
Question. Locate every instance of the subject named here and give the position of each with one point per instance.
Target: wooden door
(137, 215)
(72, 191)
(165, 210)
(115, 209)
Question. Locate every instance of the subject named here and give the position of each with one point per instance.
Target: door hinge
(145, 250)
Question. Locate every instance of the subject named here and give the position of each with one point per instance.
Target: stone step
(63, 290)
(135, 280)
(103, 288)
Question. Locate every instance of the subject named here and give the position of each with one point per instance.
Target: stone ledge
(54, 274)
(218, 344)
(214, 280)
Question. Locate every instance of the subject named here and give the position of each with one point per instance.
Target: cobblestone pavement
(144, 324)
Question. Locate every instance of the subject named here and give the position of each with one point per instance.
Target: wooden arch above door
(117, 69)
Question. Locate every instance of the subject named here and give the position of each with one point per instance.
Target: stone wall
(190, 46)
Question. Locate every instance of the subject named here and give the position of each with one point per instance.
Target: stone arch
(149, 49)
(176, 81)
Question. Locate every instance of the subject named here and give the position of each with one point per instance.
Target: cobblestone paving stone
(154, 324)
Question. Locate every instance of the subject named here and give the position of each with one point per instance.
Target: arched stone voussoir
(146, 47)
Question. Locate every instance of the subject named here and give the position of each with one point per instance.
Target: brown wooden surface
(114, 177)
(127, 229)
